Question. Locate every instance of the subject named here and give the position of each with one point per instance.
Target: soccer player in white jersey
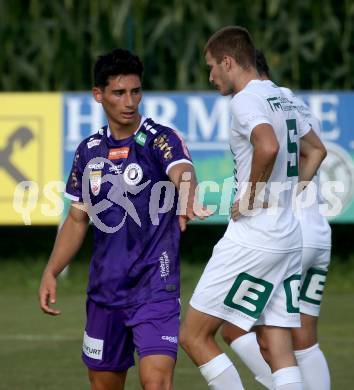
(316, 234)
(253, 275)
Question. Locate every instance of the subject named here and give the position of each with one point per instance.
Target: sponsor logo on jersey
(184, 146)
(118, 153)
(133, 174)
(74, 179)
(161, 142)
(275, 103)
(93, 348)
(95, 182)
(164, 265)
(171, 339)
(97, 166)
(140, 138)
(92, 143)
(117, 169)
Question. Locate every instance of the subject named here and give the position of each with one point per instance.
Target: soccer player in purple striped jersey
(124, 178)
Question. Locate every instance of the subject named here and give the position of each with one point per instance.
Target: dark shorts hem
(149, 352)
(139, 303)
(108, 368)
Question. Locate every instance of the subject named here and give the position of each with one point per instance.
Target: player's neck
(121, 131)
(245, 78)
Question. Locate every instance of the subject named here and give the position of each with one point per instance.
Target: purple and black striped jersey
(132, 205)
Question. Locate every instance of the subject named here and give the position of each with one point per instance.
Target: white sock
(247, 348)
(221, 374)
(288, 378)
(314, 368)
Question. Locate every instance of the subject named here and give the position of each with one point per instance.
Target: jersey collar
(143, 119)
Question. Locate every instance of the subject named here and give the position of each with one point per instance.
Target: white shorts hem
(235, 320)
(246, 324)
(310, 310)
(280, 324)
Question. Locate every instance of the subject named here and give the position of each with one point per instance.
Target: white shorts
(315, 263)
(249, 287)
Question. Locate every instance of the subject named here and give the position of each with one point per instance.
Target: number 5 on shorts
(249, 295)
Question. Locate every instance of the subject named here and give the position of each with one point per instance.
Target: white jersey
(274, 229)
(316, 231)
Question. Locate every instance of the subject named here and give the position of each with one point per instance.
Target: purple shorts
(112, 335)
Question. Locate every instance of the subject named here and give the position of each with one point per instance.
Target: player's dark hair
(262, 65)
(114, 63)
(234, 41)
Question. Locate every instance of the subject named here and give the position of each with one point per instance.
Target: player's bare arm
(265, 151)
(312, 153)
(178, 174)
(67, 243)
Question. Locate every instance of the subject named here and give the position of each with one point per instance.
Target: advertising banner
(30, 158)
(41, 131)
(203, 120)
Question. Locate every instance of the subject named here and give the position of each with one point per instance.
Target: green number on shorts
(292, 289)
(249, 295)
(312, 288)
(293, 164)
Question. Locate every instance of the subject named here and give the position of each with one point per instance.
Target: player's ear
(97, 94)
(227, 62)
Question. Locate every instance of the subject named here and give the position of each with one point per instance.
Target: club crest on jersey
(95, 182)
(133, 174)
(161, 142)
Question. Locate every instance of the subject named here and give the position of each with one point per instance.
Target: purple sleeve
(73, 189)
(170, 149)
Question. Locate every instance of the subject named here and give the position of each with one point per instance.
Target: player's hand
(47, 294)
(197, 211)
(239, 208)
(242, 207)
(235, 211)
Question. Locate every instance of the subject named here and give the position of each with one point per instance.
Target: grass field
(39, 352)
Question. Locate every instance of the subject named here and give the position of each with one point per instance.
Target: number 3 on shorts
(249, 295)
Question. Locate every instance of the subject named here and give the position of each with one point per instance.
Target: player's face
(219, 75)
(120, 98)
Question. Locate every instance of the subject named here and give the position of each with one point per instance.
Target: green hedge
(51, 45)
